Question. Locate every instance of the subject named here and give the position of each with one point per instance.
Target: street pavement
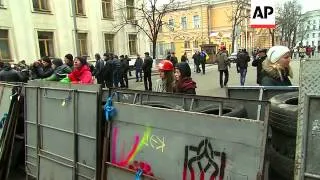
(208, 84)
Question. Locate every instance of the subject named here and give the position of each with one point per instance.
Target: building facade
(309, 31)
(30, 29)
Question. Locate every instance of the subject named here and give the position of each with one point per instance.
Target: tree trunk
(233, 38)
(154, 48)
(272, 37)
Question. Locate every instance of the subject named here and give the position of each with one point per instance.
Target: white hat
(276, 52)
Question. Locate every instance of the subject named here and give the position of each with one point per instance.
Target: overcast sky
(307, 5)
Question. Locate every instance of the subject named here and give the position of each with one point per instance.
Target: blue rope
(109, 110)
(138, 174)
(5, 115)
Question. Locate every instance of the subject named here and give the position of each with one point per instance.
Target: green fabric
(65, 80)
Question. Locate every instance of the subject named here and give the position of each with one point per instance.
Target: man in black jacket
(124, 67)
(98, 70)
(138, 65)
(262, 55)
(147, 68)
(107, 70)
(242, 65)
(8, 74)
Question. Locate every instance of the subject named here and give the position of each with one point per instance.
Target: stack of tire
(283, 121)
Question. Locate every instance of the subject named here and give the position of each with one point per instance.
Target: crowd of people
(111, 71)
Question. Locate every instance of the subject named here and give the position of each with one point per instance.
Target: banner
(263, 14)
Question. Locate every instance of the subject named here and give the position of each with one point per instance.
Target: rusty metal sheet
(181, 145)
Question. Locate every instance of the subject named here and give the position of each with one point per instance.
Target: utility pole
(74, 15)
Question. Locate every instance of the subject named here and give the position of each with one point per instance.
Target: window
(308, 27)
(307, 35)
(314, 21)
(172, 46)
(195, 44)
(309, 22)
(46, 44)
(196, 21)
(313, 35)
(133, 44)
(109, 42)
(187, 44)
(314, 27)
(80, 8)
(312, 43)
(40, 5)
(171, 24)
(106, 8)
(161, 48)
(130, 9)
(307, 43)
(184, 22)
(83, 45)
(1, 3)
(319, 34)
(4, 45)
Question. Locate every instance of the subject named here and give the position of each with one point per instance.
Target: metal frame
(305, 131)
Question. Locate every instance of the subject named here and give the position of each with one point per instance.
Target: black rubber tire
(284, 113)
(281, 165)
(160, 104)
(283, 144)
(228, 110)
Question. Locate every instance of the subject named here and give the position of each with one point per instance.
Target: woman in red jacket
(81, 73)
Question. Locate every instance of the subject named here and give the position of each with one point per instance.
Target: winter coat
(184, 58)
(186, 86)
(174, 60)
(273, 76)
(82, 75)
(203, 57)
(223, 62)
(108, 73)
(44, 72)
(147, 64)
(98, 70)
(9, 75)
(116, 65)
(196, 59)
(242, 60)
(124, 66)
(138, 64)
(258, 63)
(59, 72)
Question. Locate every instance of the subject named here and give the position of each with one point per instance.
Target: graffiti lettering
(156, 142)
(204, 153)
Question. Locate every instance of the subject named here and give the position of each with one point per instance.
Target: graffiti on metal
(204, 152)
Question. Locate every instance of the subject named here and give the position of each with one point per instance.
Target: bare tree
(288, 20)
(238, 14)
(303, 29)
(148, 18)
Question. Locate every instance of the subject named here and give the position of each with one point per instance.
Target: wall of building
(311, 35)
(23, 23)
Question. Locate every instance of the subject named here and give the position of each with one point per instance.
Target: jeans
(198, 70)
(138, 71)
(226, 77)
(243, 74)
(116, 78)
(147, 81)
(203, 66)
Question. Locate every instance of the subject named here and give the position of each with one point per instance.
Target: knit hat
(57, 62)
(184, 69)
(276, 52)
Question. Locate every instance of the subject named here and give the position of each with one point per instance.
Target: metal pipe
(312, 175)
(74, 15)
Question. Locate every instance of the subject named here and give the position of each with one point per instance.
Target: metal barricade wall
(173, 144)
(5, 100)
(62, 137)
(307, 149)
(257, 93)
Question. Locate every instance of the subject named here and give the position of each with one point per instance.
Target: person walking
(98, 70)
(223, 64)
(262, 55)
(108, 70)
(203, 57)
(128, 63)
(124, 67)
(276, 68)
(242, 65)
(138, 66)
(166, 81)
(174, 59)
(184, 57)
(184, 83)
(147, 69)
(196, 58)
(116, 64)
